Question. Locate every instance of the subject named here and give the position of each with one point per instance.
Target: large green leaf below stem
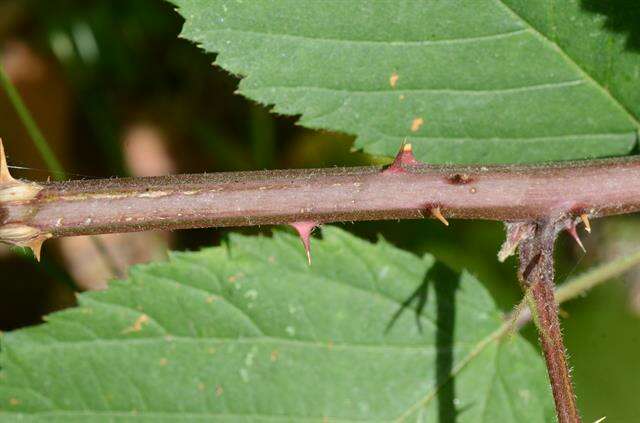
(463, 80)
(249, 332)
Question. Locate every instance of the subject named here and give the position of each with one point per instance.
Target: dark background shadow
(623, 16)
(445, 282)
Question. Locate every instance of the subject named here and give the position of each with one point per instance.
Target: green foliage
(482, 81)
(249, 332)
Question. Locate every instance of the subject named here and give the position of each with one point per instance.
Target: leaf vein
(480, 38)
(498, 91)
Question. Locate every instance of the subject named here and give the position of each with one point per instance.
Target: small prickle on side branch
(304, 229)
(15, 191)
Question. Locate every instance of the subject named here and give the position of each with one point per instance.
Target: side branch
(536, 275)
(507, 193)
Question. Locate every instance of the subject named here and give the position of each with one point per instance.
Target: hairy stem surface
(507, 193)
(536, 274)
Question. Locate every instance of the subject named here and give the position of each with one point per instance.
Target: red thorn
(571, 229)
(404, 158)
(304, 230)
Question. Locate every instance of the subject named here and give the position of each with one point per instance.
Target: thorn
(24, 236)
(571, 229)
(5, 176)
(438, 215)
(404, 157)
(12, 189)
(585, 219)
(304, 230)
(36, 247)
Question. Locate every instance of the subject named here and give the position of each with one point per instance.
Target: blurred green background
(116, 92)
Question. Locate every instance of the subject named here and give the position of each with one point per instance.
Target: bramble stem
(549, 197)
(507, 193)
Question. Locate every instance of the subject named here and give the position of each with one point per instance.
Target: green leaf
(464, 81)
(251, 333)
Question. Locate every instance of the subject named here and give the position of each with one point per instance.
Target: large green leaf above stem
(251, 333)
(464, 81)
